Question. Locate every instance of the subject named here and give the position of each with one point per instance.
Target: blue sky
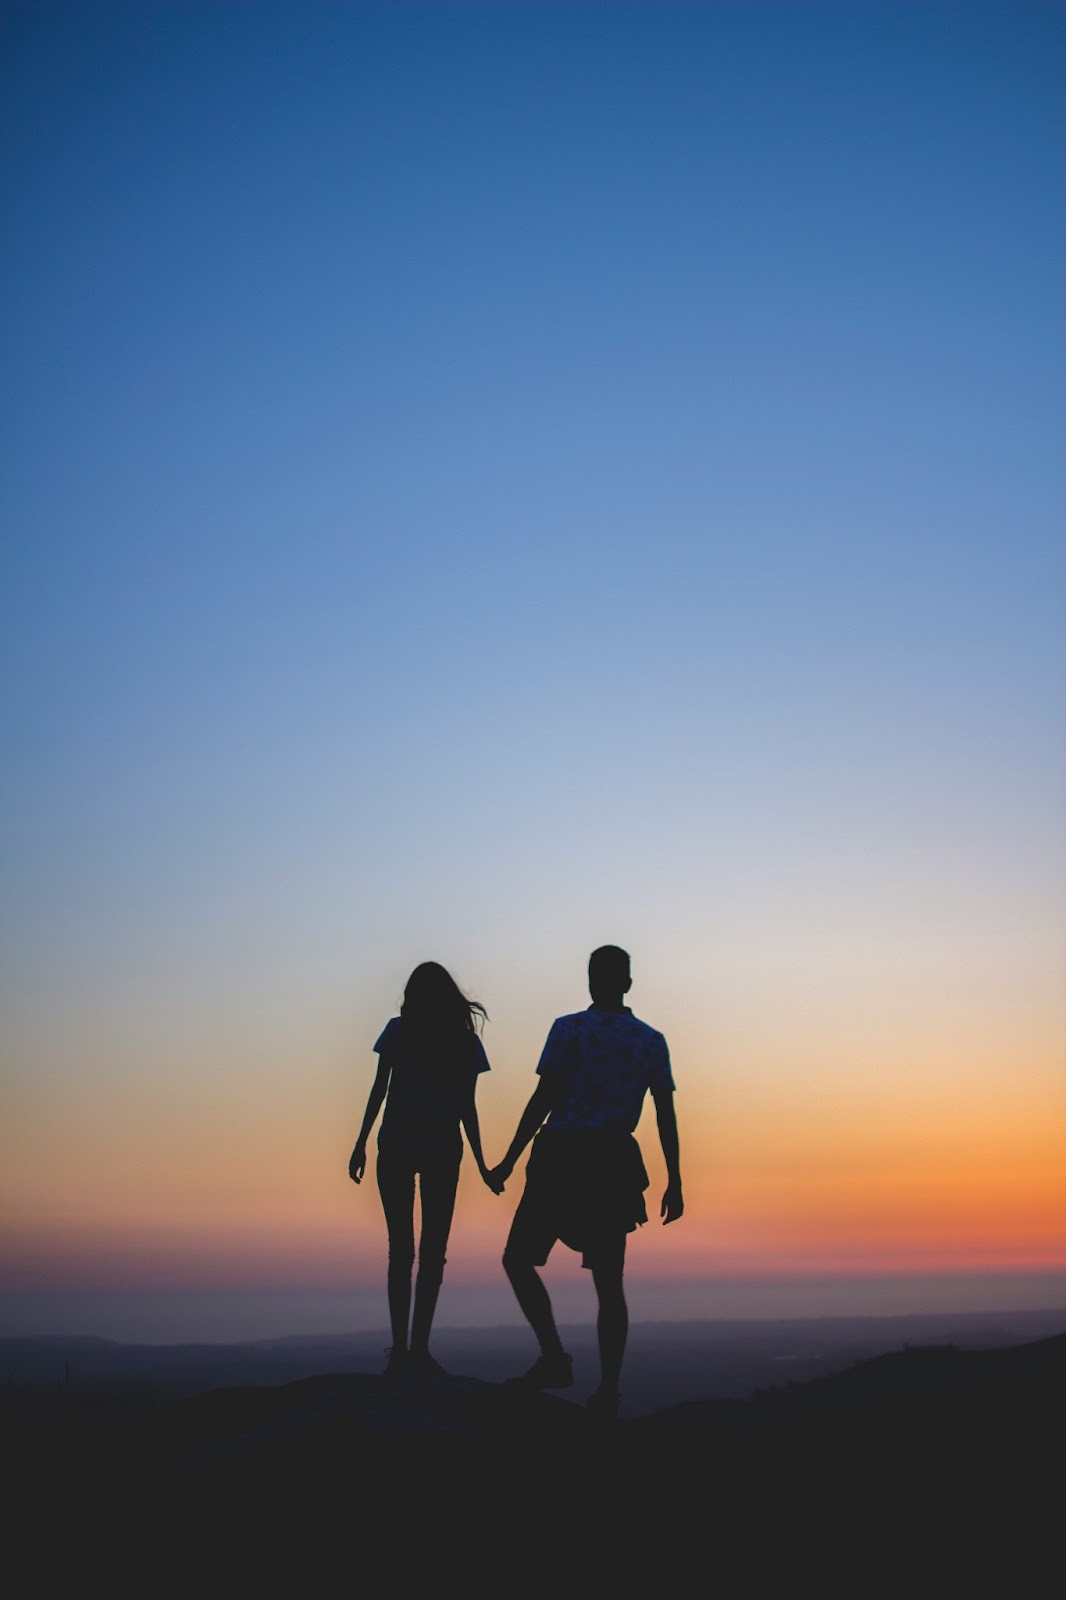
(481, 480)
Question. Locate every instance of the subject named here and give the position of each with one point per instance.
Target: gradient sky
(485, 480)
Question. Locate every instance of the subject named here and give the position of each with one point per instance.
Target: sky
(486, 480)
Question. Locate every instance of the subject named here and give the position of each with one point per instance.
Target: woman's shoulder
(389, 1035)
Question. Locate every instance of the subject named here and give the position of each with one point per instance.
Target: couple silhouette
(585, 1177)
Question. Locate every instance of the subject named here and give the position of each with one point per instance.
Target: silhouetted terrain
(932, 1470)
(666, 1363)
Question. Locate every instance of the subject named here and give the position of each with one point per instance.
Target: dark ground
(934, 1470)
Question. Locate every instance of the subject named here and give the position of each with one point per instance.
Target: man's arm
(539, 1104)
(673, 1202)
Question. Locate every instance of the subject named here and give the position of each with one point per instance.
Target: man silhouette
(585, 1177)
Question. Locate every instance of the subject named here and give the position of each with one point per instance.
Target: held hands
(357, 1165)
(673, 1205)
(493, 1179)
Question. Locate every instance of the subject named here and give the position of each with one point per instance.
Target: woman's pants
(436, 1163)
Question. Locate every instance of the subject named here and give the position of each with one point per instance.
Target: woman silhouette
(429, 1058)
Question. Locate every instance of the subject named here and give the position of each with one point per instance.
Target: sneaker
(396, 1363)
(547, 1372)
(603, 1404)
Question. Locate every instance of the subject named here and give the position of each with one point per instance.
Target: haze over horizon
(486, 480)
(218, 1316)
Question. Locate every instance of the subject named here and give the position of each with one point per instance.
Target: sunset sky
(481, 481)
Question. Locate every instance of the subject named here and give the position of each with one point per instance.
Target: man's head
(609, 975)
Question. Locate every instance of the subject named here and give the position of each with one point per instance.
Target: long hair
(439, 1022)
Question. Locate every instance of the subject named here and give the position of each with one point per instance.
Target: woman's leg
(438, 1182)
(396, 1185)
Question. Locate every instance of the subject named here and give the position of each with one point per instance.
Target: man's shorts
(584, 1187)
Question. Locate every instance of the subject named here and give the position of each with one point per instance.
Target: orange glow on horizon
(786, 1172)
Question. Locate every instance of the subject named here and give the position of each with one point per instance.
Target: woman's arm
(468, 1118)
(357, 1165)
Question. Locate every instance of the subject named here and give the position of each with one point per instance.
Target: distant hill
(666, 1364)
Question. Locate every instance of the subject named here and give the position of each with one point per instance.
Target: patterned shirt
(602, 1063)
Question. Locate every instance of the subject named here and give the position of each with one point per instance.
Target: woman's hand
(357, 1165)
(498, 1177)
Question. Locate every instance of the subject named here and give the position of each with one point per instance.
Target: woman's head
(433, 999)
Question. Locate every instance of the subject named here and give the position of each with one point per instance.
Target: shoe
(547, 1372)
(603, 1404)
(397, 1362)
(426, 1365)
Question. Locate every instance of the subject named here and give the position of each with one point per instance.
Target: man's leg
(612, 1321)
(534, 1301)
(528, 1243)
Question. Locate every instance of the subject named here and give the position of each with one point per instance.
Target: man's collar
(612, 1011)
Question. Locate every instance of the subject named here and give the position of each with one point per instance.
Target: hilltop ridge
(932, 1455)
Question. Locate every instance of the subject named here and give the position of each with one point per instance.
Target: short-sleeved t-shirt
(421, 1103)
(602, 1064)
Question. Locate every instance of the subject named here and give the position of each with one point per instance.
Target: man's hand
(357, 1165)
(673, 1205)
